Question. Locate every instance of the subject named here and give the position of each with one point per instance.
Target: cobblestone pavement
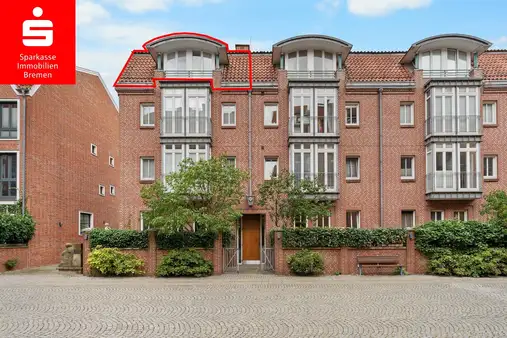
(53, 305)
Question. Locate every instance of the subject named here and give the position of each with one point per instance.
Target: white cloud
(328, 6)
(139, 6)
(88, 11)
(383, 7)
(500, 43)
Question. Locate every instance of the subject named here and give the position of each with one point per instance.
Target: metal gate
(268, 259)
(231, 260)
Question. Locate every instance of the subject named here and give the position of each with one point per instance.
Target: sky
(107, 30)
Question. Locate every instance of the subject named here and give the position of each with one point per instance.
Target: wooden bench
(378, 261)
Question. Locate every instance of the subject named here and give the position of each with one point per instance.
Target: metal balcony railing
(453, 125)
(184, 126)
(452, 73)
(313, 126)
(453, 182)
(311, 74)
(189, 73)
(328, 180)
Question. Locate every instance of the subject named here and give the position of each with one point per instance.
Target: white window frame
(348, 107)
(79, 221)
(231, 159)
(147, 105)
(441, 212)
(403, 110)
(486, 166)
(102, 190)
(112, 190)
(412, 160)
(18, 106)
(268, 109)
(299, 122)
(226, 107)
(111, 161)
(18, 170)
(413, 218)
(493, 113)
(143, 158)
(141, 221)
(329, 120)
(353, 178)
(352, 213)
(300, 221)
(94, 149)
(465, 214)
(322, 220)
(271, 159)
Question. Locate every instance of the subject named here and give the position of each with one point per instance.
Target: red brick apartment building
(398, 138)
(72, 160)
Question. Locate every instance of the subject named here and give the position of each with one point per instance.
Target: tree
(496, 206)
(287, 199)
(203, 192)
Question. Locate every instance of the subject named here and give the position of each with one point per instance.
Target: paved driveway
(52, 305)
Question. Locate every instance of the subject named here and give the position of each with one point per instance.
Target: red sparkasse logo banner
(39, 42)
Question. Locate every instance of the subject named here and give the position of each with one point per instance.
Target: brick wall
(21, 253)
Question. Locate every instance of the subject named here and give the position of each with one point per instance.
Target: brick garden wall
(20, 252)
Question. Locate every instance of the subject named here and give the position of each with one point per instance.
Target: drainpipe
(381, 155)
(24, 92)
(250, 142)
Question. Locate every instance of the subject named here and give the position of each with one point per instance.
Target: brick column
(151, 264)
(218, 256)
(411, 252)
(279, 262)
(344, 261)
(86, 251)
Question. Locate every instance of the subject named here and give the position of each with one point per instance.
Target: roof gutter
(496, 83)
(384, 85)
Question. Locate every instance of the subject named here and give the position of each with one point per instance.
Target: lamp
(250, 200)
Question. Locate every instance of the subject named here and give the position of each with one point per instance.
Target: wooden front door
(251, 238)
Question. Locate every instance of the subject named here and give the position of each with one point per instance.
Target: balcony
(452, 125)
(197, 74)
(328, 180)
(185, 126)
(311, 75)
(444, 74)
(313, 126)
(453, 186)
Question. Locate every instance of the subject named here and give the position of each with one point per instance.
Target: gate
(268, 259)
(231, 260)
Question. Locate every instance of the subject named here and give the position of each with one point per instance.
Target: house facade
(397, 138)
(72, 160)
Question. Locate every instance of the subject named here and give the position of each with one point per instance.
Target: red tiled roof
(140, 69)
(237, 69)
(494, 65)
(375, 67)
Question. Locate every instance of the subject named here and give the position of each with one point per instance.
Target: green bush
(459, 236)
(481, 263)
(112, 262)
(186, 239)
(342, 237)
(117, 238)
(16, 228)
(11, 263)
(305, 263)
(184, 262)
(227, 237)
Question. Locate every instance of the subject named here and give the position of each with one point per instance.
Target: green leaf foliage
(11, 263)
(112, 262)
(184, 262)
(496, 206)
(16, 228)
(342, 237)
(481, 263)
(286, 198)
(306, 263)
(118, 238)
(186, 239)
(203, 192)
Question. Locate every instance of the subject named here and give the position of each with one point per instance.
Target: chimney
(242, 47)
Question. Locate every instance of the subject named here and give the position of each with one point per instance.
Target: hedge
(345, 237)
(186, 239)
(117, 238)
(16, 228)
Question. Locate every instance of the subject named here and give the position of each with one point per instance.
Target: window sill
(270, 127)
(407, 126)
(490, 125)
(9, 139)
(491, 179)
(352, 126)
(146, 127)
(146, 181)
(229, 127)
(353, 180)
(407, 180)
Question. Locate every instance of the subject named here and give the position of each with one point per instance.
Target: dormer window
(445, 62)
(193, 60)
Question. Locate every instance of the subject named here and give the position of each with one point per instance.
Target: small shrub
(337, 273)
(186, 239)
(11, 263)
(305, 263)
(118, 238)
(399, 270)
(16, 228)
(481, 263)
(112, 262)
(184, 262)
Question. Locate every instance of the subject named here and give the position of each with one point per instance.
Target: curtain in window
(352, 169)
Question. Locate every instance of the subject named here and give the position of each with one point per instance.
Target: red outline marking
(154, 80)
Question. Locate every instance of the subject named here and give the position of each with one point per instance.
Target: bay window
(446, 62)
(313, 112)
(175, 153)
(185, 112)
(315, 161)
(311, 63)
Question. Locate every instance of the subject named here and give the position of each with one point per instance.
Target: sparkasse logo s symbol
(37, 37)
